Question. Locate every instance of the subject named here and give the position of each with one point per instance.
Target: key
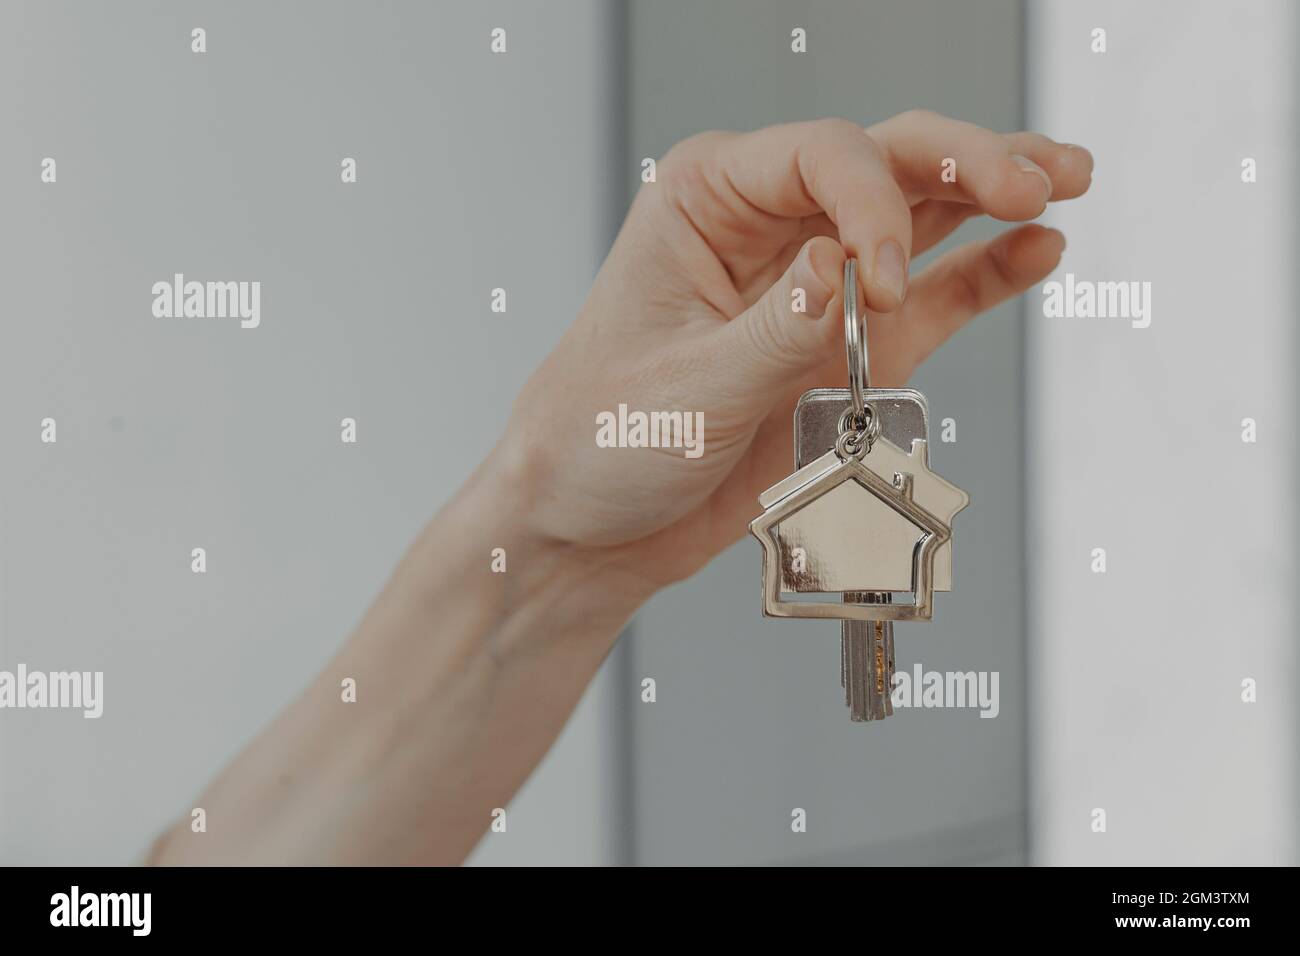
(866, 648)
(867, 655)
(868, 515)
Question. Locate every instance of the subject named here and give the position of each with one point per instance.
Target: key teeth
(867, 663)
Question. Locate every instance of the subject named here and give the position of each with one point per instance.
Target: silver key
(867, 653)
(866, 647)
(863, 515)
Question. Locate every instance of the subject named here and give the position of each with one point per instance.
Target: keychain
(862, 531)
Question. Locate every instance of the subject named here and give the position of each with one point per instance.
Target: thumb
(791, 330)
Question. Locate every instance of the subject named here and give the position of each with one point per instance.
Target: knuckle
(1029, 136)
(691, 151)
(683, 172)
(765, 335)
(918, 115)
(838, 128)
(772, 333)
(683, 184)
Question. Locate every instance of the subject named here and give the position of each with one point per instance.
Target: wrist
(558, 588)
(466, 668)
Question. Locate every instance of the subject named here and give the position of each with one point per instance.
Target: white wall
(1135, 442)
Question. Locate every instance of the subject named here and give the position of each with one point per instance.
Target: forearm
(464, 677)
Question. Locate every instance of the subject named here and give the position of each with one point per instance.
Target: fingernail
(816, 296)
(1030, 166)
(1082, 152)
(890, 269)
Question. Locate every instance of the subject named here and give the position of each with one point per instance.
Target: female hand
(692, 311)
(473, 673)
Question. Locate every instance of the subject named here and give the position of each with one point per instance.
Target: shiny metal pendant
(862, 531)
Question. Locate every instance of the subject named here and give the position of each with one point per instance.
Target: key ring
(855, 338)
(855, 441)
(859, 426)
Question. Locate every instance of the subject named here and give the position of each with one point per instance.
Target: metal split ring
(857, 435)
(859, 425)
(855, 338)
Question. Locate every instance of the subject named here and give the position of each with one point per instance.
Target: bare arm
(464, 679)
(464, 676)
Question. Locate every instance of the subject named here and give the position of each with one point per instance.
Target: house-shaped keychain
(878, 522)
(862, 534)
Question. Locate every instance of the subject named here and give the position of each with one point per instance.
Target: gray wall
(479, 171)
(175, 434)
(750, 720)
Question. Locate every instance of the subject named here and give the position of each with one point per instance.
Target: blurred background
(1120, 691)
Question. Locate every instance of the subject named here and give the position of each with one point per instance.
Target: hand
(473, 672)
(692, 311)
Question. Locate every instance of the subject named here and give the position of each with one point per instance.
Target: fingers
(1068, 166)
(1008, 177)
(769, 345)
(960, 285)
(830, 166)
(933, 220)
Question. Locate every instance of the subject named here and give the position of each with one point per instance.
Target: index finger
(830, 166)
(920, 145)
